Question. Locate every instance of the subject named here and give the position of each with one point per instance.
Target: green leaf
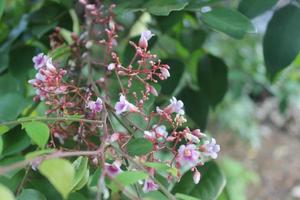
(81, 168)
(228, 21)
(154, 195)
(15, 141)
(1, 145)
(196, 106)
(8, 84)
(34, 154)
(162, 167)
(3, 129)
(163, 8)
(253, 8)
(127, 178)
(11, 105)
(60, 173)
(210, 186)
(31, 194)
(95, 177)
(5, 193)
(196, 5)
(83, 181)
(2, 7)
(60, 52)
(169, 85)
(281, 42)
(184, 197)
(212, 78)
(139, 146)
(76, 196)
(155, 7)
(38, 131)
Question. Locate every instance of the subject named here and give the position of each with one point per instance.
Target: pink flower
(124, 106)
(145, 36)
(175, 106)
(95, 106)
(188, 155)
(111, 66)
(211, 148)
(164, 72)
(39, 60)
(113, 169)
(149, 186)
(196, 177)
(157, 132)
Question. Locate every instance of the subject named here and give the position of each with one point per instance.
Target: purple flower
(111, 66)
(188, 155)
(145, 36)
(149, 186)
(124, 106)
(175, 106)
(161, 130)
(95, 106)
(39, 60)
(211, 148)
(113, 169)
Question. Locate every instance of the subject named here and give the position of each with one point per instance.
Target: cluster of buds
(164, 125)
(48, 80)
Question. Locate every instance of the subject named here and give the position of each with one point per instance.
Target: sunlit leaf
(38, 131)
(60, 173)
(5, 193)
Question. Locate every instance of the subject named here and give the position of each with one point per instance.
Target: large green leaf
(5, 193)
(228, 21)
(11, 105)
(253, 8)
(60, 173)
(31, 194)
(196, 106)
(212, 78)
(163, 8)
(281, 42)
(155, 7)
(38, 131)
(210, 186)
(139, 146)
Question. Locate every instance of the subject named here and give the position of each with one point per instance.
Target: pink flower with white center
(175, 106)
(113, 169)
(124, 106)
(211, 148)
(145, 36)
(39, 60)
(164, 72)
(188, 155)
(95, 106)
(196, 177)
(149, 186)
(161, 130)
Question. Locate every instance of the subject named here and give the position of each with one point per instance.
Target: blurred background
(225, 75)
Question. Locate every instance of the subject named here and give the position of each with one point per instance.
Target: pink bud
(196, 177)
(143, 43)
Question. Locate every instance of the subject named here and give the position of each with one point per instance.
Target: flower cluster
(92, 99)
(48, 80)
